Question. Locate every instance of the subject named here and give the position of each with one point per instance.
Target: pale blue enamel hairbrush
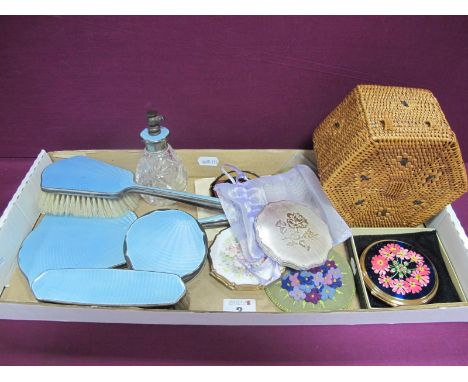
(83, 186)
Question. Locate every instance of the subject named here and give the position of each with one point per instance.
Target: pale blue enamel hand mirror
(74, 242)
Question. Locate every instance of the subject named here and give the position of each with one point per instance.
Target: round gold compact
(293, 235)
(398, 273)
(225, 264)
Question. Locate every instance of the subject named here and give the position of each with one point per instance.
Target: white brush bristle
(63, 204)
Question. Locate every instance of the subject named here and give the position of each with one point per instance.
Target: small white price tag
(239, 305)
(208, 161)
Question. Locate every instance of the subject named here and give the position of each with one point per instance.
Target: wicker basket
(387, 157)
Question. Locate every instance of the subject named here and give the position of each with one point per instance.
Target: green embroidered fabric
(329, 286)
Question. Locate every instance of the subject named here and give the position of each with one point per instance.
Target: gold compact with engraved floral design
(293, 235)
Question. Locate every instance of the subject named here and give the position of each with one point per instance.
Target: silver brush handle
(178, 196)
(215, 221)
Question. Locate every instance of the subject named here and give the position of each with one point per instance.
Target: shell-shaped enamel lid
(168, 241)
(293, 235)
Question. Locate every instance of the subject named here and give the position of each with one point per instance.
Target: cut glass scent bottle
(159, 165)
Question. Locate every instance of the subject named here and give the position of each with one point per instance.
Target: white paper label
(208, 161)
(240, 305)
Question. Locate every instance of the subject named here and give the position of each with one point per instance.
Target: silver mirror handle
(178, 196)
(214, 221)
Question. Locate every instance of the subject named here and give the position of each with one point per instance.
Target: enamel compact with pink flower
(398, 273)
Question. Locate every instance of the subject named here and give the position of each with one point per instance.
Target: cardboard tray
(204, 302)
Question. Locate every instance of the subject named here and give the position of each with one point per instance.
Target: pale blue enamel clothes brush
(82, 186)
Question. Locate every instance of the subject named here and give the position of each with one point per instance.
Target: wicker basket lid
(387, 157)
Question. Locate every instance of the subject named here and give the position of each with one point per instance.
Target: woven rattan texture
(387, 157)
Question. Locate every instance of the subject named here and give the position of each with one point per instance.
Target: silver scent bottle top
(159, 165)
